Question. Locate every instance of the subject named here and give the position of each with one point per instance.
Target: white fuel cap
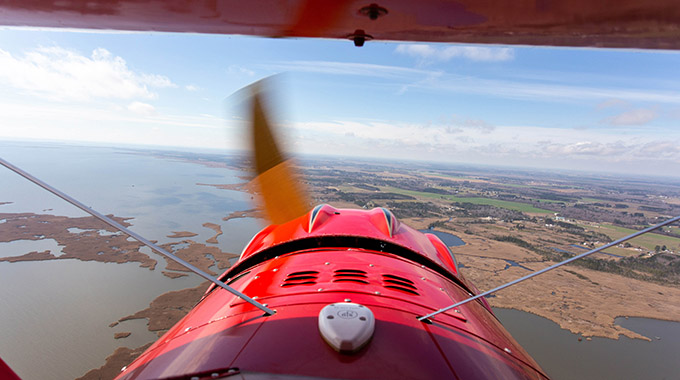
(346, 327)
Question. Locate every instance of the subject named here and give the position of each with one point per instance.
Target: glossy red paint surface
(347, 222)
(224, 332)
(6, 373)
(609, 23)
(443, 253)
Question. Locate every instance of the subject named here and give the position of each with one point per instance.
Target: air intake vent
(393, 282)
(350, 275)
(301, 278)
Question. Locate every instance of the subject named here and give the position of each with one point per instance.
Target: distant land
(512, 222)
(531, 219)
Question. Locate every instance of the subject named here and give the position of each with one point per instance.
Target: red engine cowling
(357, 258)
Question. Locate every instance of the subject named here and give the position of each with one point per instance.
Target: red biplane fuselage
(341, 256)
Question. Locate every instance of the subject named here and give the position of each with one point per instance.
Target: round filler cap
(346, 327)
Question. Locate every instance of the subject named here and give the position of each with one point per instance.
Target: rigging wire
(425, 318)
(135, 236)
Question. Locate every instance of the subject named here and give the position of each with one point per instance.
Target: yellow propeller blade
(279, 191)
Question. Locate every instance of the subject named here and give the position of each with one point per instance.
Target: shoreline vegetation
(511, 224)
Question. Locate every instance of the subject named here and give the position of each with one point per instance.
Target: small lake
(562, 356)
(449, 239)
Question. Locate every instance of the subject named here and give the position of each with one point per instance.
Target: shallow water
(161, 195)
(54, 315)
(449, 239)
(562, 356)
(11, 248)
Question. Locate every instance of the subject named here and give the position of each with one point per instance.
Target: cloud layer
(429, 54)
(441, 81)
(462, 140)
(61, 74)
(639, 116)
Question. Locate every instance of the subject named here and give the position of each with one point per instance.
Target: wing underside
(607, 23)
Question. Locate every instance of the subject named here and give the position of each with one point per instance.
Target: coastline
(579, 300)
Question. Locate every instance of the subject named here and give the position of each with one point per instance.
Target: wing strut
(135, 236)
(641, 232)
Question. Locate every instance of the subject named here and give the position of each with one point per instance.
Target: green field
(625, 252)
(515, 185)
(517, 206)
(447, 176)
(472, 179)
(593, 200)
(550, 201)
(648, 241)
(622, 251)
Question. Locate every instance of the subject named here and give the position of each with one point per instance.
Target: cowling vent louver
(350, 275)
(393, 282)
(301, 278)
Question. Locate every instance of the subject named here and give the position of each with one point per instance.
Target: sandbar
(252, 213)
(181, 234)
(218, 231)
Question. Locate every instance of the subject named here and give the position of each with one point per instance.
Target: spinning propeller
(280, 193)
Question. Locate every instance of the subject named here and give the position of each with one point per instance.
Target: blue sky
(583, 109)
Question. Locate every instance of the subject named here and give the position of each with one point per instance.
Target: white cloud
(140, 108)
(477, 142)
(542, 91)
(234, 69)
(155, 80)
(665, 149)
(588, 148)
(428, 53)
(638, 116)
(111, 124)
(440, 81)
(351, 68)
(478, 124)
(416, 50)
(191, 87)
(61, 74)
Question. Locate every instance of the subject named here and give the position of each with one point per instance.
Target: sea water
(563, 356)
(55, 315)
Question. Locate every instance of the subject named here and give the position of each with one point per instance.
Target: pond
(448, 239)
